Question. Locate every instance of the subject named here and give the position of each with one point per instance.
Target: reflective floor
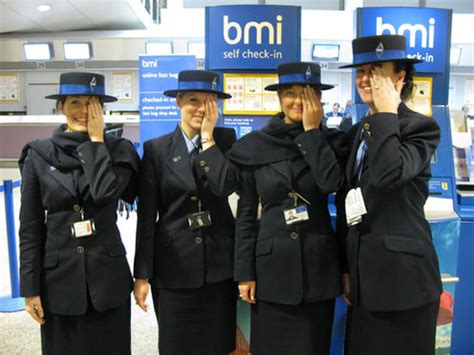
(19, 334)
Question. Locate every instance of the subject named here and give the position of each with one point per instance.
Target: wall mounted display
(9, 88)
(421, 100)
(123, 86)
(249, 96)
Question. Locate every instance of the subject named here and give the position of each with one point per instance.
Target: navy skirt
(303, 329)
(410, 332)
(94, 333)
(198, 321)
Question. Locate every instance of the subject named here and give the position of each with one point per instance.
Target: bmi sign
(427, 31)
(252, 36)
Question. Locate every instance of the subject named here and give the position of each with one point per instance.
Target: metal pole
(11, 238)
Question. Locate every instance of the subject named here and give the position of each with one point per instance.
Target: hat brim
(104, 98)
(275, 87)
(404, 60)
(220, 94)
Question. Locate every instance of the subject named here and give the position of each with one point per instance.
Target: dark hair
(317, 89)
(409, 68)
(62, 100)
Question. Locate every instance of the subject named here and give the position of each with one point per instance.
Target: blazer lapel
(352, 156)
(282, 168)
(178, 160)
(65, 179)
(298, 167)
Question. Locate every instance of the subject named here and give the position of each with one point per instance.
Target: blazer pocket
(50, 259)
(408, 245)
(264, 247)
(115, 249)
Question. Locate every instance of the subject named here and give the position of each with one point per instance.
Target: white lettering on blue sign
(273, 36)
(427, 35)
(149, 63)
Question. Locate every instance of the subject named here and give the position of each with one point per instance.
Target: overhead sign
(427, 31)
(252, 36)
(158, 113)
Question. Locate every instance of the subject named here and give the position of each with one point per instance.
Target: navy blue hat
(299, 73)
(82, 84)
(198, 80)
(376, 49)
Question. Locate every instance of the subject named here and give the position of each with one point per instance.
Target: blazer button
(80, 154)
(194, 198)
(198, 240)
(294, 235)
(82, 161)
(207, 169)
(76, 208)
(80, 249)
(202, 162)
(367, 126)
(299, 145)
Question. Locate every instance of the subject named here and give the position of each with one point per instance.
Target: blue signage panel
(252, 36)
(245, 124)
(158, 113)
(428, 32)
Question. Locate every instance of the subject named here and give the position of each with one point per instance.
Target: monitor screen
(455, 55)
(327, 52)
(38, 51)
(77, 51)
(158, 48)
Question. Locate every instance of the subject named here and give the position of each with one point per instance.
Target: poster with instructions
(249, 96)
(122, 86)
(9, 87)
(422, 96)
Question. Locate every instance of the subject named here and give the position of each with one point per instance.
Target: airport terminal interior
(137, 43)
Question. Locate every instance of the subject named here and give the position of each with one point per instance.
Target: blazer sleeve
(392, 161)
(32, 231)
(324, 151)
(221, 174)
(246, 229)
(148, 192)
(107, 180)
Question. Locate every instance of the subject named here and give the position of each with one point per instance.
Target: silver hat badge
(309, 73)
(379, 50)
(93, 84)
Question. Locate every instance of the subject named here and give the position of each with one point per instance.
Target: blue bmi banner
(252, 37)
(427, 32)
(158, 113)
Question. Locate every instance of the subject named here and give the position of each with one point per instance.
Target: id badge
(355, 207)
(199, 220)
(83, 228)
(297, 214)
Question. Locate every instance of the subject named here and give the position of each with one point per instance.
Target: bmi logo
(426, 32)
(274, 31)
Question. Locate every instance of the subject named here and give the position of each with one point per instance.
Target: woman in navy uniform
(290, 270)
(185, 234)
(394, 274)
(73, 271)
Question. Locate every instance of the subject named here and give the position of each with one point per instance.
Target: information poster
(9, 87)
(123, 86)
(422, 98)
(158, 113)
(249, 96)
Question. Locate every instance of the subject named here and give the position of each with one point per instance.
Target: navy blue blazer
(168, 252)
(392, 262)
